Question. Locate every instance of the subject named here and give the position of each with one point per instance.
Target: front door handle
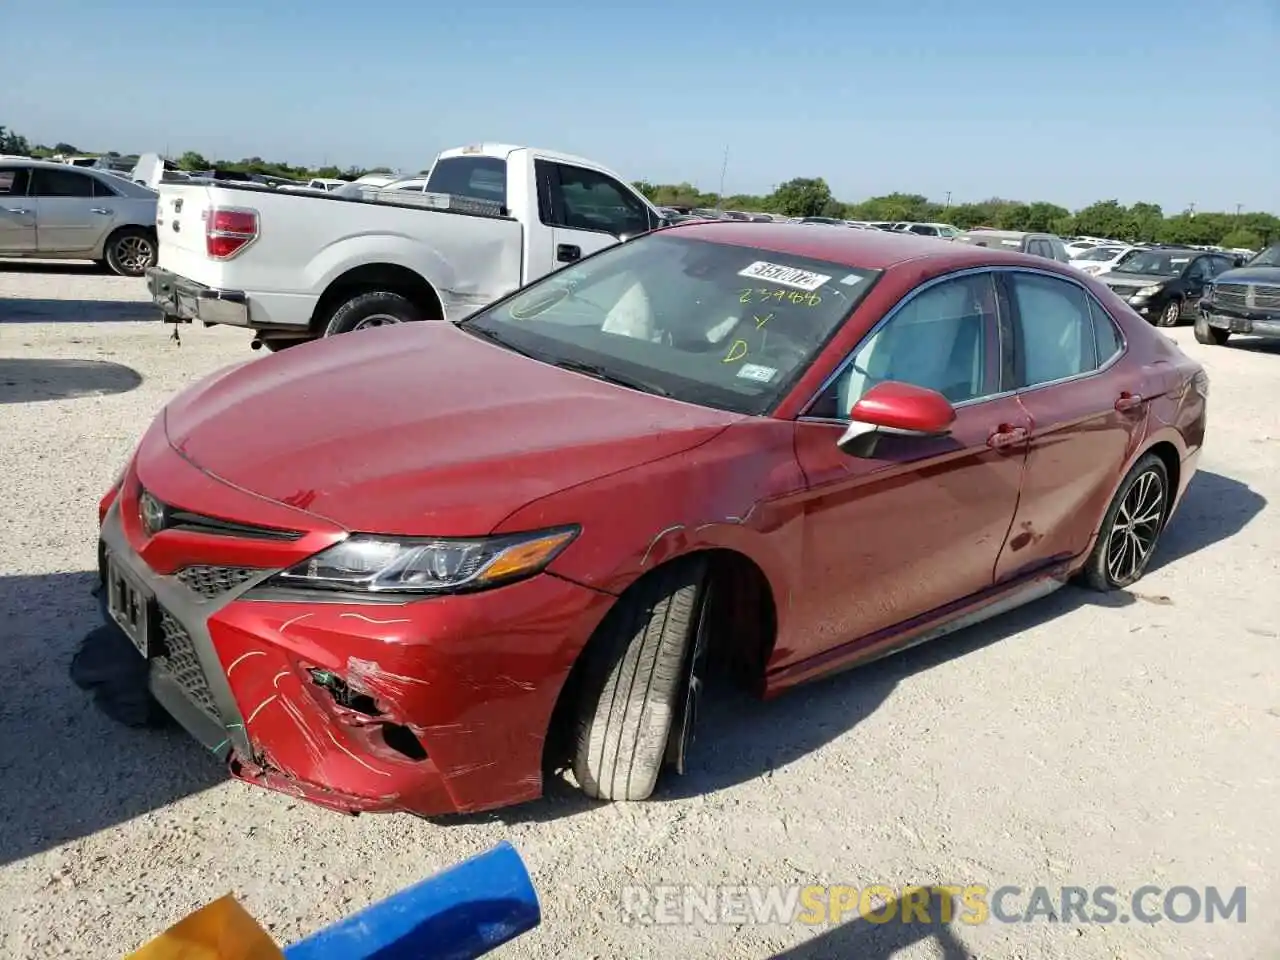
(1006, 435)
(1128, 402)
(18, 210)
(102, 210)
(568, 252)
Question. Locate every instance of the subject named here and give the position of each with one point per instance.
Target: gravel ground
(1074, 742)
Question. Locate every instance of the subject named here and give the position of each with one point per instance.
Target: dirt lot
(1076, 742)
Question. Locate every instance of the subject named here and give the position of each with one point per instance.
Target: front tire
(374, 308)
(1131, 528)
(633, 682)
(1170, 315)
(130, 251)
(1210, 336)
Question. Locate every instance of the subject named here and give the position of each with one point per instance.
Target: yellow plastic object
(222, 930)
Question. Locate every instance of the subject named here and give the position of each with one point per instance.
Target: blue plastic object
(458, 914)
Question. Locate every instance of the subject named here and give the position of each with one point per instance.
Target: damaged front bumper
(434, 706)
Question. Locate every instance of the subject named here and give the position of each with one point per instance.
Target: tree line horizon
(812, 197)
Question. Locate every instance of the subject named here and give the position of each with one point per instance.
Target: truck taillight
(228, 230)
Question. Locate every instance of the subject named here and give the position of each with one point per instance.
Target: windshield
(1099, 253)
(721, 325)
(1156, 263)
(1269, 257)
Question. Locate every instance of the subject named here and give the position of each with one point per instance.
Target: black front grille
(175, 518)
(181, 663)
(211, 582)
(1232, 295)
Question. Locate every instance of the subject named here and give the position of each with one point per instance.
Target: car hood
(1134, 279)
(1249, 275)
(420, 429)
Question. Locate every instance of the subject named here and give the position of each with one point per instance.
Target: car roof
(32, 162)
(863, 249)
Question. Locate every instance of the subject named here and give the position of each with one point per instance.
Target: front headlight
(365, 563)
(1150, 291)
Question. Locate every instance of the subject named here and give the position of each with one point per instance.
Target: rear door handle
(1006, 435)
(1127, 401)
(102, 210)
(568, 252)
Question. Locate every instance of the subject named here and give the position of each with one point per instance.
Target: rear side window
(1106, 336)
(103, 189)
(1055, 329)
(61, 183)
(481, 178)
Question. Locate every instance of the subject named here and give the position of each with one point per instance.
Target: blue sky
(1173, 101)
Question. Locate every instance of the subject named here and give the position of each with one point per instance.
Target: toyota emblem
(151, 511)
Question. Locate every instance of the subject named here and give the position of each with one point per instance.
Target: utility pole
(947, 205)
(1191, 209)
(724, 167)
(1238, 206)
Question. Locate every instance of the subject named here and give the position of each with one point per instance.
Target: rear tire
(1210, 336)
(130, 251)
(1131, 528)
(373, 308)
(633, 682)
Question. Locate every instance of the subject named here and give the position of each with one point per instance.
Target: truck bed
(469, 251)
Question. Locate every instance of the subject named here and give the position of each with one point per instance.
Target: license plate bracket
(132, 607)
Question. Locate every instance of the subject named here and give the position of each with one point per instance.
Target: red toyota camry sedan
(412, 568)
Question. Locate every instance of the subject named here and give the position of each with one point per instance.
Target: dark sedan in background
(1165, 286)
(1245, 301)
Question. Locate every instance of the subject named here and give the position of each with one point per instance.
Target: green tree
(1242, 238)
(802, 197)
(191, 160)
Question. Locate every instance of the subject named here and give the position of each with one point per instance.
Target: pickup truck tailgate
(180, 225)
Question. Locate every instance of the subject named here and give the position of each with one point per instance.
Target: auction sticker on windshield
(784, 275)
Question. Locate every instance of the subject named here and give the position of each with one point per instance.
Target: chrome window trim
(996, 270)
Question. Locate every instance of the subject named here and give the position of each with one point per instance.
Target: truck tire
(632, 684)
(372, 308)
(130, 251)
(1210, 336)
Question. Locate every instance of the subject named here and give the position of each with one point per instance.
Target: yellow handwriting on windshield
(764, 295)
(737, 350)
(761, 321)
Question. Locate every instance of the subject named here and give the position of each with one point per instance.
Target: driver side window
(938, 339)
(588, 200)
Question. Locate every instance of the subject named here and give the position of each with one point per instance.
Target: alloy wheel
(1136, 528)
(133, 253)
(1172, 313)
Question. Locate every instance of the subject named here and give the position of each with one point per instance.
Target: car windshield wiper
(600, 373)
(492, 337)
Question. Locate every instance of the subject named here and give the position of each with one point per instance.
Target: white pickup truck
(295, 266)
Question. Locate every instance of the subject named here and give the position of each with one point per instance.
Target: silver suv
(63, 212)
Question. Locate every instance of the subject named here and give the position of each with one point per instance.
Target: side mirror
(894, 408)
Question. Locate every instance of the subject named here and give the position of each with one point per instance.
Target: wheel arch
(742, 641)
(367, 277)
